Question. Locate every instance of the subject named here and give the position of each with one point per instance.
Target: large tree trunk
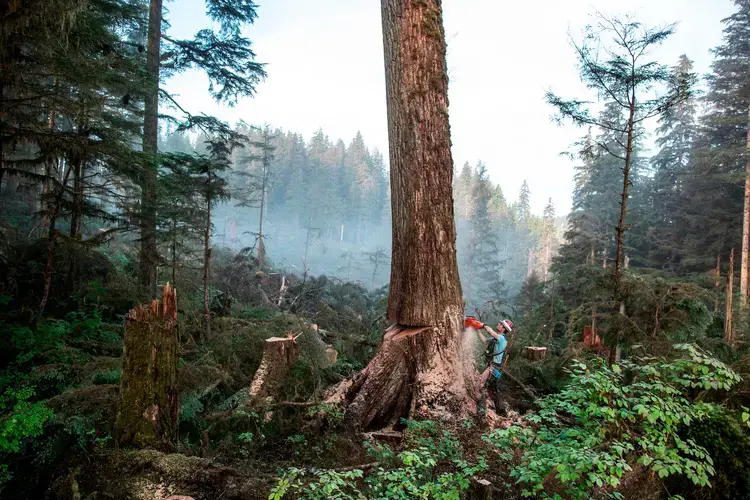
(745, 228)
(149, 255)
(418, 365)
(207, 267)
(149, 399)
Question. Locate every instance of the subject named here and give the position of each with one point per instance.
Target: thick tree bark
(261, 246)
(149, 398)
(745, 229)
(418, 368)
(149, 255)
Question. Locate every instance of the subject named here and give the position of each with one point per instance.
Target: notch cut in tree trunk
(149, 398)
(279, 356)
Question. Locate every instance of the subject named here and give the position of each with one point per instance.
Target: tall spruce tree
(225, 55)
(628, 82)
(484, 258)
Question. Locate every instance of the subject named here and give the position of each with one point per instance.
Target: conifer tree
(484, 262)
(628, 81)
(229, 62)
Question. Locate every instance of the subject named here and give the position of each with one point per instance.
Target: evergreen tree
(656, 227)
(713, 195)
(484, 264)
(225, 55)
(627, 82)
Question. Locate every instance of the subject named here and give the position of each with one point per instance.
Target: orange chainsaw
(472, 322)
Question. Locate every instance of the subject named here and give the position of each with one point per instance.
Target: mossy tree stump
(279, 356)
(149, 398)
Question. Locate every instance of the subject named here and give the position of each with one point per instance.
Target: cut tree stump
(332, 356)
(149, 397)
(279, 355)
(535, 353)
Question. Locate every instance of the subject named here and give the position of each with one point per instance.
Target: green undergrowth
(612, 427)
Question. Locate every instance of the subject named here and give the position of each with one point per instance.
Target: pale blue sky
(325, 69)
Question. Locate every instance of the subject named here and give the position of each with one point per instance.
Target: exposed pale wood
(535, 353)
(279, 355)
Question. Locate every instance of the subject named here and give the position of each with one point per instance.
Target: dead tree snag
(149, 398)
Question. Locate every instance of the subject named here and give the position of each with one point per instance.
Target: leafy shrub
(22, 419)
(431, 466)
(728, 443)
(611, 418)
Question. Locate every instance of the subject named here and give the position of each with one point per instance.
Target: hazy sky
(325, 70)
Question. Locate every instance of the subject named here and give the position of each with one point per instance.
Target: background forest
(110, 188)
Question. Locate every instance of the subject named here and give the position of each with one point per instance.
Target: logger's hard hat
(508, 325)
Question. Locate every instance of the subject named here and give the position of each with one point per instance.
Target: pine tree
(626, 81)
(657, 224)
(713, 194)
(484, 262)
(548, 238)
(524, 203)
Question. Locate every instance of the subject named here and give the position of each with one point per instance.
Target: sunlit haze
(325, 70)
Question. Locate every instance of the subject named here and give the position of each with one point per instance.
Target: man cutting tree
(494, 354)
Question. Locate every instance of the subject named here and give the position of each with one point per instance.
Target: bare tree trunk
(149, 398)
(717, 284)
(77, 205)
(728, 325)
(207, 266)
(745, 228)
(417, 368)
(48, 167)
(174, 252)
(530, 265)
(624, 196)
(261, 245)
(51, 241)
(551, 317)
(604, 259)
(149, 255)
(593, 256)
